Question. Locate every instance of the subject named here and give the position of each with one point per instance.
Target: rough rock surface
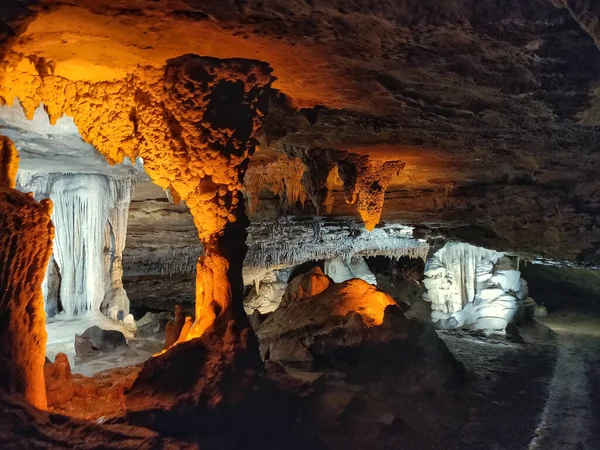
(490, 106)
(95, 339)
(25, 245)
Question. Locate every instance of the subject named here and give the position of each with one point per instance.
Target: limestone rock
(266, 300)
(307, 285)
(148, 325)
(26, 234)
(339, 270)
(59, 387)
(95, 339)
(475, 288)
(290, 351)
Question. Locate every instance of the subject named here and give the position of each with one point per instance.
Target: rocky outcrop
(265, 295)
(317, 314)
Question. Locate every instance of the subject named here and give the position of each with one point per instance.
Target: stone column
(26, 234)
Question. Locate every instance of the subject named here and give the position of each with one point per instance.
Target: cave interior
(321, 224)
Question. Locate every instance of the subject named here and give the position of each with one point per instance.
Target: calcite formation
(282, 176)
(473, 287)
(340, 270)
(26, 235)
(90, 215)
(192, 123)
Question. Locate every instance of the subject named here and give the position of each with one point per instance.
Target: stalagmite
(25, 245)
(116, 302)
(9, 162)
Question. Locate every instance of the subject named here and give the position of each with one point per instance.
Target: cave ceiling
(491, 106)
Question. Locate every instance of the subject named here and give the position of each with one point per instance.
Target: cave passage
(299, 224)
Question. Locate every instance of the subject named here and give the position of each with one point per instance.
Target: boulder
(290, 351)
(340, 270)
(95, 339)
(266, 299)
(306, 285)
(149, 325)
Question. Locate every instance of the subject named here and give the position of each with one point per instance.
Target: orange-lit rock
(9, 163)
(26, 235)
(334, 315)
(59, 386)
(192, 123)
(307, 285)
(282, 176)
(363, 298)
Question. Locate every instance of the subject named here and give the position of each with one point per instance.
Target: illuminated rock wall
(473, 287)
(25, 245)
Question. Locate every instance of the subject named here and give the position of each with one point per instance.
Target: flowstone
(473, 287)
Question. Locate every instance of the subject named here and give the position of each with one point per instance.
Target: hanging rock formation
(26, 235)
(199, 153)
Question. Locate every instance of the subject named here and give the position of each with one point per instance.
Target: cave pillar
(26, 234)
(219, 282)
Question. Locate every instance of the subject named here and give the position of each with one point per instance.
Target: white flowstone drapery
(90, 218)
(474, 287)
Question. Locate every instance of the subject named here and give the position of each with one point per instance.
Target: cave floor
(571, 418)
(61, 338)
(541, 393)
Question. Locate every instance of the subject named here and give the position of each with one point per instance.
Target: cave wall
(564, 289)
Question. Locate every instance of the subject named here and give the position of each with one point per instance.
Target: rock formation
(339, 270)
(26, 235)
(473, 287)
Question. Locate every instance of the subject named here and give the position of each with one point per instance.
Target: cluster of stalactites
(172, 118)
(282, 176)
(364, 180)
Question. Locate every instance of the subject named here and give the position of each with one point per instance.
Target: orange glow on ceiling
(91, 47)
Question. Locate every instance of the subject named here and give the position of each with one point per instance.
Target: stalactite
(282, 176)
(365, 182)
(324, 241)
(26, 234)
